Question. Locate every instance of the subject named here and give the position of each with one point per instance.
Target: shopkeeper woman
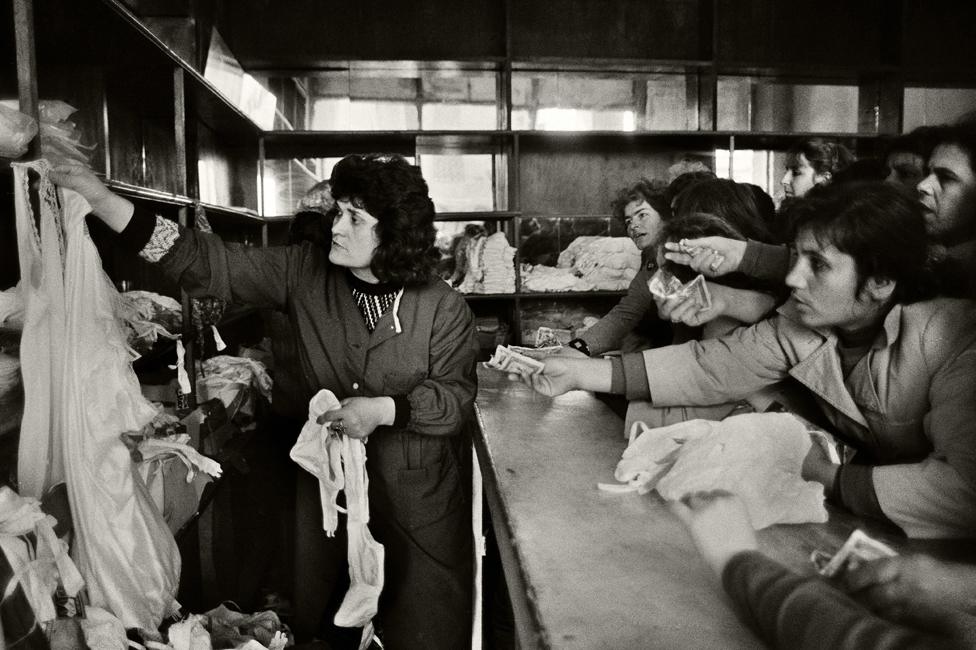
(394, 343)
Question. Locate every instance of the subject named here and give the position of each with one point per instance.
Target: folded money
(858, 549)
(547, 336)
(536, 353)
(506, 360)
(665, 285)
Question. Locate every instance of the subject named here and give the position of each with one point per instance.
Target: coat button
(355, 385)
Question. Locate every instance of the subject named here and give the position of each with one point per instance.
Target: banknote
(858, 549)
(536, 353)
(697, 289)
(663, 284)
(548, 336)
(508, 361)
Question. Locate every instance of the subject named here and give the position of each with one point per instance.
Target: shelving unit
(158, 124)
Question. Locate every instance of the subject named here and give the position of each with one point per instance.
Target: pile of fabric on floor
(589, 263)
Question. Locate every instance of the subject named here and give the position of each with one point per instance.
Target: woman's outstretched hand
(719, 524)
(710, 256)
(557, 377)
(110, 208)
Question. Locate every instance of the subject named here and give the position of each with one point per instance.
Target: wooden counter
(591, 569)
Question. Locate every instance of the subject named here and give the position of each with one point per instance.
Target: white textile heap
(339, 462)
(758, 456)
(39, 570)
(589, 263)
(490, 265)
(84, 388)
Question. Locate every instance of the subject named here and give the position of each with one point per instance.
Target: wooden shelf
(135, 192)
(571, 294)
(476, 216)
(326, 144)
(246, 214)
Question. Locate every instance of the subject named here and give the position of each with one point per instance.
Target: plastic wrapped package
(16, 131)
(60, 139)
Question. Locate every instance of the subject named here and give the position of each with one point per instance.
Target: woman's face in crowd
(824, 283)
(800, 177)
(354, 239)
(643, 223)
(948, 195)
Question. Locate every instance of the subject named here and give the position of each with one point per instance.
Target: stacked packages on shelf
(589, 263)
(489, 265)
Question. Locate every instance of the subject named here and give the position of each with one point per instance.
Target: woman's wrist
(114, 210)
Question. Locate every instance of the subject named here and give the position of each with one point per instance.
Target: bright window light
(563, 119)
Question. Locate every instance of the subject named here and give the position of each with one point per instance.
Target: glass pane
(765, 104)
(377, 97)
(460, 182)
(576, 101)
(759, 167)
(925, 106)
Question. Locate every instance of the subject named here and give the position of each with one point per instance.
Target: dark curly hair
(395, 193)
(878, 224)
(642, 190)
(734, 203)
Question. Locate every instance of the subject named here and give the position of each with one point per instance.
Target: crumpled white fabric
(189, 634)
(758, 456)
(103, 631)
(224, 377)
(12, 308)
(40, 570)
(82, 373)
(339, 462)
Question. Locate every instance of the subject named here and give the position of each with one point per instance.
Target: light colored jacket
(909, 406)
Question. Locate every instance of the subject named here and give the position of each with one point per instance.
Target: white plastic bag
(16, 132)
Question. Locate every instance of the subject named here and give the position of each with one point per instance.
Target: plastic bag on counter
(16, 131)
(758, 456)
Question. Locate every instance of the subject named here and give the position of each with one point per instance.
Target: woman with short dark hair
(397, 347)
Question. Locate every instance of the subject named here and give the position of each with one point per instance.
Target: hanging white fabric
(339, 462)
(40, 248)
(122, 546)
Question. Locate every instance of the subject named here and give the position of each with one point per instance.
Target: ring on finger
(338, 427)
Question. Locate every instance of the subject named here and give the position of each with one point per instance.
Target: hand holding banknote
(513, 363)
(710, 256)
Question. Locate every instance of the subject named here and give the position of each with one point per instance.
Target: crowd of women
(852, 297)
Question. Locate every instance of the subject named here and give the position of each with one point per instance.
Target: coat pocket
(427, 494)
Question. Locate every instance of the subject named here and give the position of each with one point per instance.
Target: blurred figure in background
(812, 162)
